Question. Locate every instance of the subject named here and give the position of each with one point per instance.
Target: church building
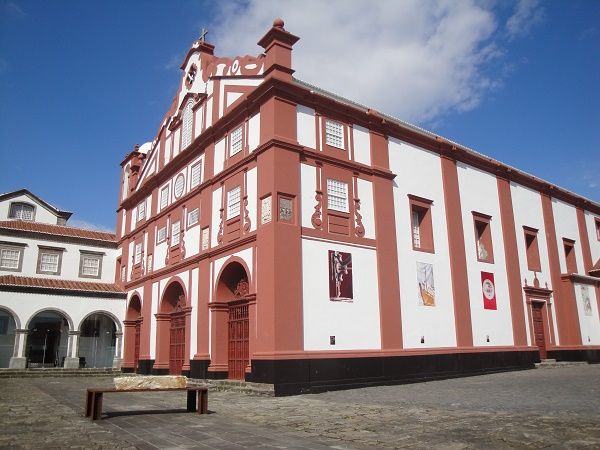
(277, 233)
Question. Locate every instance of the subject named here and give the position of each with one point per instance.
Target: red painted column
(458, 258)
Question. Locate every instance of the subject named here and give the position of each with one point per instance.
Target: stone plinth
(151, 382)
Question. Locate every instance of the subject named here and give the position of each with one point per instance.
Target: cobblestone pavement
(552, 408)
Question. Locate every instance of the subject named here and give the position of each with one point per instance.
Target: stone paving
(554, 408)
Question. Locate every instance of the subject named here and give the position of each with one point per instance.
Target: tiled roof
(57, 230)
(57, 283)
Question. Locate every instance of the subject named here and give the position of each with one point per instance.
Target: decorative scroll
(243, 288)
(220, 233)
(340, 276)
(246, 66)
(315, 219)
(142, 266)
(359, 229)
(168, 242)
(180, 303)
(182, 243)
(247, 223)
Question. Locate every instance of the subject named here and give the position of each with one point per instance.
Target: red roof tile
(55, 283)
(57, 230)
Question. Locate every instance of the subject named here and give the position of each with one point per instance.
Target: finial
(203, 34)
(278, 23)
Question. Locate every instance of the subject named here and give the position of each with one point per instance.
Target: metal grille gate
(238, 340)
(177, 343)
(136, 348)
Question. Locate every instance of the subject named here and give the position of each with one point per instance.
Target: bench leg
(191, 400)
(89, 400)
(203, 401)
(97, 406)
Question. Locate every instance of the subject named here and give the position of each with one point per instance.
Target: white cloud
(77, 223)
(527, 14)
(414, 59)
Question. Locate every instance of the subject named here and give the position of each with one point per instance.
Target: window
(233, 202)
(334, 134)
(161, 235)
(11, 257)
(483, 237)
(179, 185)
(569, 246)
(49, 260)
(164, 197)
(235, 145)
(532, 250)
(597, 220)
(21, 211)
(193, 216)
(186, 128)
(90, 264)
(421, 227)
(337, 195)
(175, 233)
(138, 253)
(196, 174)
(141, 211)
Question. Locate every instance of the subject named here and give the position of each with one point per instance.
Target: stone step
(553, 364)
(235, 386)
(59, 372)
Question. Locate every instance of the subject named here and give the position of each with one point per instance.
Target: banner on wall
(489, 290)
(426, 287)
(340, 276)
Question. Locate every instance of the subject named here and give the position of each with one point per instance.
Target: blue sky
(82, 82)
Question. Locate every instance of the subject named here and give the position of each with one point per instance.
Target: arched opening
(232, 293)
(47, 340)
(97, 341)
(7, 337)
(133, 331)
(172, 326)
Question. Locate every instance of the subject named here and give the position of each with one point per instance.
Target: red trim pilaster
(585, 241)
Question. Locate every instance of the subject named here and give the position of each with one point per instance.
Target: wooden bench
(197, 399)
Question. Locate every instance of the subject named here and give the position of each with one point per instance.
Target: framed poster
(585, 298)
(425, 284)
(488, 289)
(340, 276)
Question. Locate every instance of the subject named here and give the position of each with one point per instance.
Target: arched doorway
(97, 340)
(172, 328)
(7, 337)
(133, 332)
(47, 340)
(232, 293)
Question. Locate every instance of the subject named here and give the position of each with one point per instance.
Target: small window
(186, 128)
(235, 145)
(532, 249)
(233, 202)
(569, 246)
(49, 261)
(141, 211)
(161, 235)
(179, 185)
(175, 233)
(164, 197)
(337, 195)
(11, 258)
(193, 216)
(21, 211)
(483, 237)
(138, 253)
(334, 134)
(196, 174)
(90, 265)
(421, 227)
(597, 220)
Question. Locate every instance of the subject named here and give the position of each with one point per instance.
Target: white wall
(589, 323)
(42, 214)
(219, 156)
(435, 324)
(251, 189)
(565, 223)
(367, 211)
(362, 145)
(254, 132)
(479, 192)
(590, 223)
(305, 126)
(355, 324)
(308, 183)
(216, 216)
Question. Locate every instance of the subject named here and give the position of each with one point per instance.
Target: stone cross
(203, 34)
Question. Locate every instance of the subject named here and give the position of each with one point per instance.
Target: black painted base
(127, 370)
(217, 375)
(199, 368)
(291, 377)
(145, 366)
(591, 356)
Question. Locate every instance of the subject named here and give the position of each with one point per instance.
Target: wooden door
(538, 328)
(177, 343)
(238, 340)
(136, 348)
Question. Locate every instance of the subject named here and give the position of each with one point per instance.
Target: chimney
(278, 49)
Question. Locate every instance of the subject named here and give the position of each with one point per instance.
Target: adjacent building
(59, 304)
(275, 232)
